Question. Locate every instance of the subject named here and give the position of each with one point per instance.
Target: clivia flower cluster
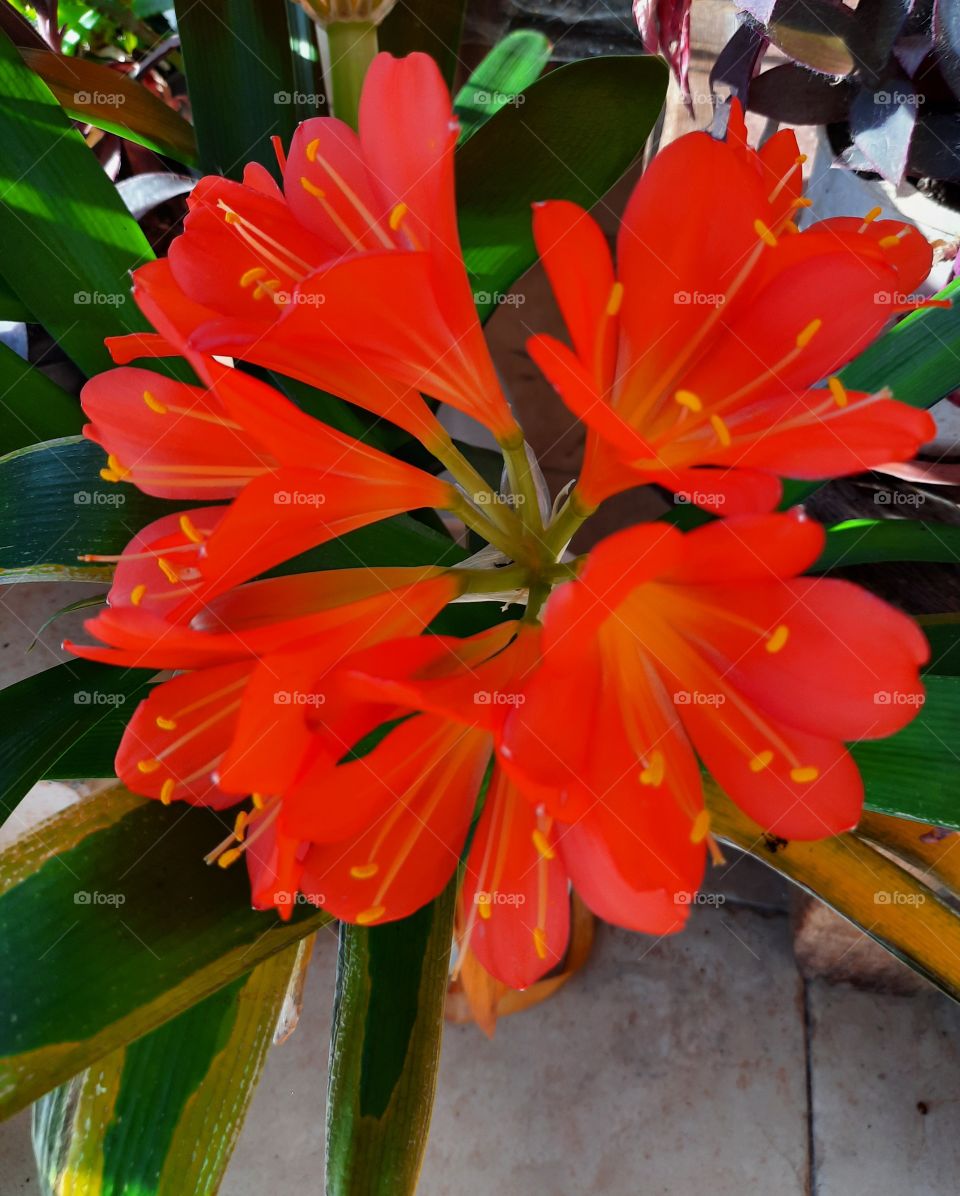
(367, 756)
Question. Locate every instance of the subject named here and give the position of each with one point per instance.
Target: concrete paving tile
(885, 1092)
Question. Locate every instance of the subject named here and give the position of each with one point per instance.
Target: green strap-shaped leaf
(69, 243)
(874, 541)
(32, 407)
(161, 1116)
(879, 896)
(916, 773)
(388, 1022)
(110, 925)
(241, 79)
(575, 133)
(510, 67)
(431, 27)
(107, 99)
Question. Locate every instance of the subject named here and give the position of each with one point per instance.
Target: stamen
(364, 871)
(137, 593)
(148, 765)
(800, 159)
(351, 197)
(838, 390)
(721, 429)
(764, 233)
(258, 800)
(615, 300)
(153, 403)
(240, 825)
(701, 827)
(654, 772)
(189, 529)
(168, 570)
(226, 858)
(542, 844)
(686, 398)
(396, 216)
(540, 942)
(806, 336)
(778, 638)
(277, 144)
(761, 761)
(373, 914)
(109, 476)
(114, 465)
(485, 909)
(895, 239)
(803, 776)
(166, 724)
(166, 791)
(869, 218)
(312, 148)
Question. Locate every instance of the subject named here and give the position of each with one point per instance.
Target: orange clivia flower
(319, 278)
(706, 361)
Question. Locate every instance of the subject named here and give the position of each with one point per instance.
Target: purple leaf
(797, 96)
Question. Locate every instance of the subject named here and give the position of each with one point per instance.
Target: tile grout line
(808, 1058)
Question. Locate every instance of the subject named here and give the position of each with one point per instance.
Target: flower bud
(330, 12)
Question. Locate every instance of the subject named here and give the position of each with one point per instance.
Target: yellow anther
(312, 149)
(189, 530)
(240, 825)
(802, 202)
(484, 908)
(396, 216)
(137, 593)
(838, 390)
(790, 227)
(803, 776)
(686, 398)
(364, 871)
(761, 761)
(118, 469)
(701, 827)
(872, 215)
(109, 476)
(229, 857)
(777, 638)
(615, 299)
(806, 336)
(542, 844)
(764, 233)
(148, 765)
(251, 275)
(373, 914)
(231, 217)
(800, 159)
(168, 570)
(311, 189)
(890, 242)
(166, 791)
(258, 801)
(153, 403)
(721, 429)
(654, 772)
(540, 942)
(166, 724)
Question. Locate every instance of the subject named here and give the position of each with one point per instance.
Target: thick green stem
(572, 514)
(522, 483)
(493, 581)
(353, 46)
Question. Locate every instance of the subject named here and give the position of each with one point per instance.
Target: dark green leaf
(873, 541)
(69, 242)
(576, 132)
(32, 407)
(388, 1022)
(510, 67)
